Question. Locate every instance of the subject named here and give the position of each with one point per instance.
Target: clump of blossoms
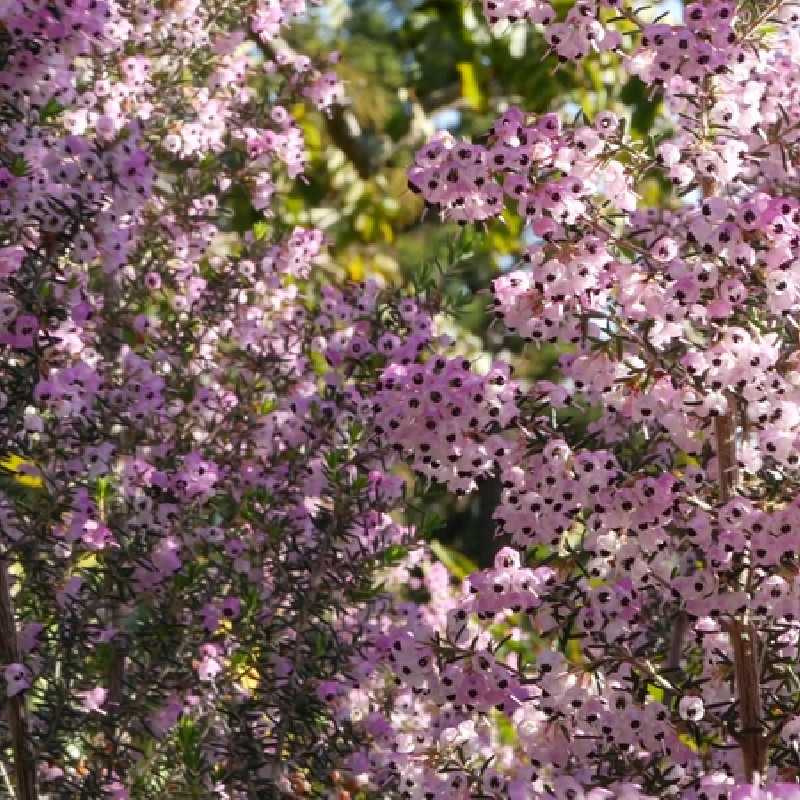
(638, 633)
(191, 501)
(203, 450)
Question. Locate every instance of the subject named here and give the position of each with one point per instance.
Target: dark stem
(24, 761)
(725, 429)
(109, 347)
(679, 625)
(742, 633)
(744, 640)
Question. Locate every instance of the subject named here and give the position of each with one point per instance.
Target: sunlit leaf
(25, 473)
(470, 88)
(457, 563)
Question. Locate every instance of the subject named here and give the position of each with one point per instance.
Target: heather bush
(215, 579)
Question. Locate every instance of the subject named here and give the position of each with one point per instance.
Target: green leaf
(457, 563)
(52, 109)
(318, 362)
(508, 734)
(260, 230)
(470, 88)
(393, 555)
(189, 740)
(636, 94)
(18, 167)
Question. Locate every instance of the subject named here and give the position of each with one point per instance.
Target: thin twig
(24, 761)
(742, 634)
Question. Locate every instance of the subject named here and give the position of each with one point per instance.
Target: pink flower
(10, 260)
(93, 699)
(18, 679)
(210, 664)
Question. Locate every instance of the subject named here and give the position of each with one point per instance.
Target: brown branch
(115, 676)
(742, 634)
(753, 743)
(679, 625)
(338, 126)
(725, 429)
(24, 761)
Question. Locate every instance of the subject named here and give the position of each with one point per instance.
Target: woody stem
(742, 633)
(24, 766)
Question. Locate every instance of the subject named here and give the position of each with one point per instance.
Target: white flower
(18, 679)
(691, 709)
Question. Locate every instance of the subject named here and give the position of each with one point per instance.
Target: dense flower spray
(650, 559)
(202, 449)
(191, 502)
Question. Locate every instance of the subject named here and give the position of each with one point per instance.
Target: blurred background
(412, 67)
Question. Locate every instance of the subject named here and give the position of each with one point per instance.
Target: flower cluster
(548, 172)
(205, 453)
(634, 635)
(441, 416)
(193, 496)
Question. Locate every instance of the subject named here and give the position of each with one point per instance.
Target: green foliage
(18, 167)
(644, 107)
(437, 278)
(51, 109)
(242, 215)
(457, 563)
